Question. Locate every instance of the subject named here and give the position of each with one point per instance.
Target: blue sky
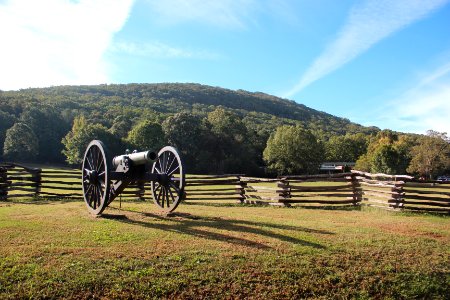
(376, 62)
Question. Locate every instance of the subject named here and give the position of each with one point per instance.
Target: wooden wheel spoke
(99, 196)
(170, 167)
(159, 194)
(164, 162)
(163, 196)
(88, 194)
(167, 197)
(94, 158)
(167, 162)
(171, 195)
(94, 197)
(99, 160)
(160, 165)
(100, 167)
(89, 160)
(173, 171)
(177, 189)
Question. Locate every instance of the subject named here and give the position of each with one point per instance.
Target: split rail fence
(392, 192)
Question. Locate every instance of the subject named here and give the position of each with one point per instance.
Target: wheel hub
(93, 177)
(164, 179)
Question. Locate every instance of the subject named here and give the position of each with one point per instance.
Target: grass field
(57, 250)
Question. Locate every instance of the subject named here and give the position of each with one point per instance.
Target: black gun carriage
(104, 178)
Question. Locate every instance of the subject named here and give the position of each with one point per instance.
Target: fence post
(400, 194)
(3, 183)
(240, 189)
(37, 176)
(284, 192)
(356, 189)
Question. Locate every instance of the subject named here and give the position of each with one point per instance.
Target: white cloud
(223, 13)
(424, 106)
(366, 25)
(157, 49)
(53, 42)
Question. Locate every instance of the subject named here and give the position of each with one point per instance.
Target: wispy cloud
(366, 25)
(424, 106)
(52, 42)
(233, 14)
(157, 49)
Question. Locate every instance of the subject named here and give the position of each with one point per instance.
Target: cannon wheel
(96, 184)
(168, 191)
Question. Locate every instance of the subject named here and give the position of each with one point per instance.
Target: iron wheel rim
(95, 178)
(168, 191)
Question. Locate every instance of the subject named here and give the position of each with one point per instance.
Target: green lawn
(57, 250)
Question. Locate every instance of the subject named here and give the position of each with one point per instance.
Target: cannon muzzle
(138, 158)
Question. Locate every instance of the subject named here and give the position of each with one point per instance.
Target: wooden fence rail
(401, 192)
(392, 192)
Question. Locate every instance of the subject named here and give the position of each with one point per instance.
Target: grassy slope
(55, 249)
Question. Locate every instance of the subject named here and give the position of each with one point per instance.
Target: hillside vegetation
(38, 119)
(258, 109)
(215, 129)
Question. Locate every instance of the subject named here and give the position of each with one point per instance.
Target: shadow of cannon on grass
(219, 229)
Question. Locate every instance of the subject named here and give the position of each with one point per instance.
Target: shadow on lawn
(40, 200)
(189, 224)
(323, 207)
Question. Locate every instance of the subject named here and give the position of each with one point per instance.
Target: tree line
(220, 142)
(241, 132)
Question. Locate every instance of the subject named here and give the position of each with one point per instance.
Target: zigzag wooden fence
(19, 181)
(403, 192)
(393, 192)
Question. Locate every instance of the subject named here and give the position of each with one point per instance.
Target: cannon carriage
(104, 178)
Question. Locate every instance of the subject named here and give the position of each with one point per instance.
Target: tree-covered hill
(215, 124)
(259, 110)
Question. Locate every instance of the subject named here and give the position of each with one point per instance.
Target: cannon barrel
(138, 158)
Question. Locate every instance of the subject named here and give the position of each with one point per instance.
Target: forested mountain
(34, 121)
(258, 109)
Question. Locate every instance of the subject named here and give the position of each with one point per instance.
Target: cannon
(104, 178)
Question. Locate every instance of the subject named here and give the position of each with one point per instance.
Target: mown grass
(57, 250)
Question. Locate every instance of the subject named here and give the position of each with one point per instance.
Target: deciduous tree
(387, 153)
(232, 151)
(146, 135)
(346, 148)
(431, 155)
(6, 122)
(21, 143)
(82, 133)
(49, 128)
(188, 134)
(293, 150)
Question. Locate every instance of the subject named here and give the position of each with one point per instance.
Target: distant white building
(336, 167)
